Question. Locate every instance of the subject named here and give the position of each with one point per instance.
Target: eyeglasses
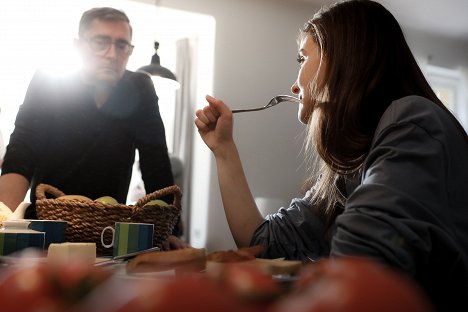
(100, 45)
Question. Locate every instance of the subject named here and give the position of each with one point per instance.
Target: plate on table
(24, 257)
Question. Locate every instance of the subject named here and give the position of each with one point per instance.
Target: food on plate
(74, 197)
(107, 200)
(279, 266)
(242, 254)
(229, 256)
(217, 261)
(181, 260)
(352, 285)
(156, 202)
(66, 252)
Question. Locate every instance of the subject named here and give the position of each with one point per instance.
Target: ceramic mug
(15, 236)
(129, 237)
(54, 230)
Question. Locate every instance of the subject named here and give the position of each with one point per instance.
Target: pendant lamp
(159, 74)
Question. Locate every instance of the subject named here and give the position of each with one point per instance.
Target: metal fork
(118, 259)
(275, 100)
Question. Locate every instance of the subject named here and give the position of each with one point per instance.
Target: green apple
(74, 197)
(107, 200)
(157, 202)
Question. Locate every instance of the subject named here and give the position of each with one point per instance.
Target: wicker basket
(87, 219)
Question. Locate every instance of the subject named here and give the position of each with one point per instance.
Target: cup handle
(102, 237)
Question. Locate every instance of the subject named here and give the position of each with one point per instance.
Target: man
(80, 133)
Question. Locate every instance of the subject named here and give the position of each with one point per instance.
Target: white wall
(255, 54)
(255, 59)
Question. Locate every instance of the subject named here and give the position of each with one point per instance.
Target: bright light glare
(164, 83)
(39, 34)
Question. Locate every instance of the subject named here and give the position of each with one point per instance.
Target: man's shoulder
(137, 78)
(49, 88)
(135, 83)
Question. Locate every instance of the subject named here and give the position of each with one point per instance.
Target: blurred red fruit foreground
(339, 285)
(352, 285)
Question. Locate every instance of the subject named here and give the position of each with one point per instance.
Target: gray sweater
(408, 209)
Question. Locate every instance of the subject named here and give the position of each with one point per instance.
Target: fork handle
(234, 111)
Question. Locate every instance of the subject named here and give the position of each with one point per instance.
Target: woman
(394, 160)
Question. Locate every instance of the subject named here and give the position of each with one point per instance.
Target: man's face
(105, 49)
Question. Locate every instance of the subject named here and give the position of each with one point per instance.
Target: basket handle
(42, 189)
(174, 189)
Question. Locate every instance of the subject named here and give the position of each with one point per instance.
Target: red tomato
(47, 287)
(249, 282)
(74, 280)
(27, 289)
(353, 285)
(186, 293)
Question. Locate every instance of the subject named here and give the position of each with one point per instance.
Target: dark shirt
(61, 138)
(408, 210)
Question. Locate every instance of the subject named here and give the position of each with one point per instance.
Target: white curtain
(184, 116)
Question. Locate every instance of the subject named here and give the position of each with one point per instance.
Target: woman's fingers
(210, 113)
(173, 242)
(218, 106)
(201, 117)
(202, 126)
(207, 117)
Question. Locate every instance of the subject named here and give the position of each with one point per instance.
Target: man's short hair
(105, 14)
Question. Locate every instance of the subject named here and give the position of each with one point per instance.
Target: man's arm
(155, 165)
(13, 189)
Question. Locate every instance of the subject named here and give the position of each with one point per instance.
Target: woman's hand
(173, 242)
(214, 123)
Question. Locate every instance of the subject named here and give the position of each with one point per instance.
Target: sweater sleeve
(406, 213)
(27, 140)
(151, 141)
(395, 212)
(296, 232)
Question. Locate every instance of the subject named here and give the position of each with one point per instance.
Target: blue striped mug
(129, 237)
(16, 236)
(54, 230)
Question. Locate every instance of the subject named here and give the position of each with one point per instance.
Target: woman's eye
(300, 59)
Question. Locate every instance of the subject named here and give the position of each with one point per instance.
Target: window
(449, 85)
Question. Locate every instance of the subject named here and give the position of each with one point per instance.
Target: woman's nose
(295, 88)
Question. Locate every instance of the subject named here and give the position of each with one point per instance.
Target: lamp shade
(155, 68)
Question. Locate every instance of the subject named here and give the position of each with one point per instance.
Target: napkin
(7, 214)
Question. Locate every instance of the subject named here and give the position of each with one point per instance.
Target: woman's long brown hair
(368, 65)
